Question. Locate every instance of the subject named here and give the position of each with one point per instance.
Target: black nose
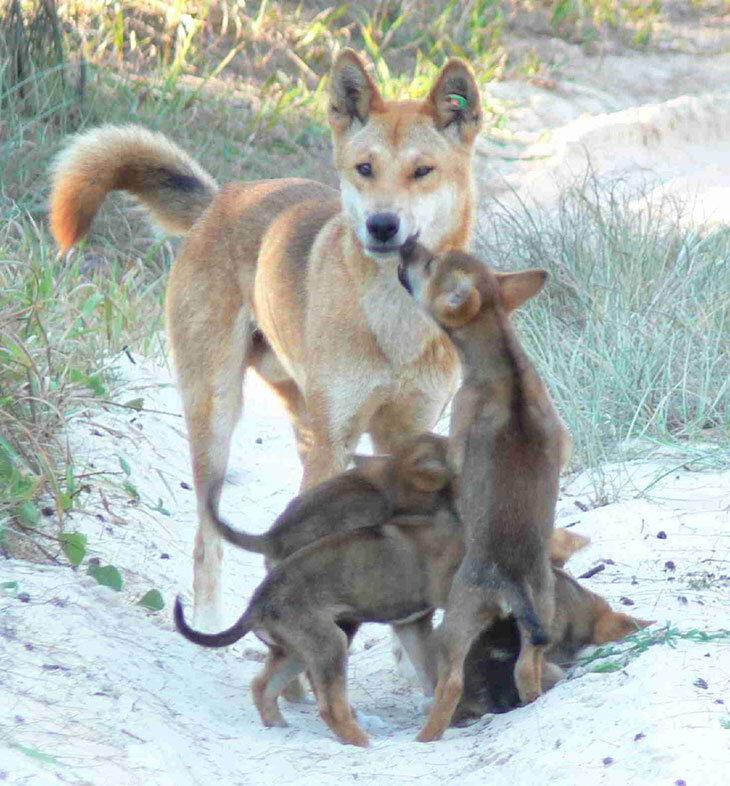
(383, 226)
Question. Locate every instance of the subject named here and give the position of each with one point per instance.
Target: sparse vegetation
(630, 648)
(632, 336)
(242, 85)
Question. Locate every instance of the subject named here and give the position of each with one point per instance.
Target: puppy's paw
(296, 693)
(275, 722)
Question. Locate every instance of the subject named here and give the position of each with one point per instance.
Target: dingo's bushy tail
(146, 164)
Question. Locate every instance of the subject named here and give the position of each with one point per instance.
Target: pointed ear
(516, 288)
(353, 94)
(459, 305)
(454, 101)
(564, 544)
(613, 626)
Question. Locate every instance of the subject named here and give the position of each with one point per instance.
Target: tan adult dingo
(298, 280)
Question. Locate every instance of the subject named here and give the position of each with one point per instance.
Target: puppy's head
(414, 475)
(455, 287)
(613, 625)
(422, 463)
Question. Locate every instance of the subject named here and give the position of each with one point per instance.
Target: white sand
(114, 696)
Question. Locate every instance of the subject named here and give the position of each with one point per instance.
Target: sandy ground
(94, 689)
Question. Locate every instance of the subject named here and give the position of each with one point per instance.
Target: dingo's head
(405, 166)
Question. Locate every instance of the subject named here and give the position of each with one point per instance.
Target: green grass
(632, 332)
(632, 647)
(242, 85)
(61, 324)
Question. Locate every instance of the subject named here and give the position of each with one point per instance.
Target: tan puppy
(581, 618)
(512, 439)
(298, 280)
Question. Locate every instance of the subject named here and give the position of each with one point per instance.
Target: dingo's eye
(366, 170)
(422, 171)
(427, 266)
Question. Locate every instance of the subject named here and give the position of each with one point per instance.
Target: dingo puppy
(309, 605)
(296, 279)
(512, 446)
(416, 479)
(312, 602)
(581, 618)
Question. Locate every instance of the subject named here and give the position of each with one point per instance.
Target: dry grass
(633, 331)
(241, 85)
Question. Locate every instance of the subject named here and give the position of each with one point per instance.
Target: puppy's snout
(383, 226)
(403, 277)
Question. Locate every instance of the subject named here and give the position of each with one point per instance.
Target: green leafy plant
(106, 575)
(74, 546)
(152, 600)
(633, 646)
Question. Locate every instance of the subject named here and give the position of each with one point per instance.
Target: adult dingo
(298, 280)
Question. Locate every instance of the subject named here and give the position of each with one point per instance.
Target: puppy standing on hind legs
(297, 280)
(510, 439)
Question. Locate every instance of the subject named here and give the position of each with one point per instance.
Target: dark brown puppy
(416, 479)
(395, 573)
(512, 448)
(581, 618)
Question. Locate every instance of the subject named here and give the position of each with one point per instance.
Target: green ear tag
(457, 101)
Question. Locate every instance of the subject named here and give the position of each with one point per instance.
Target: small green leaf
(131, 490)
(107, 575)
(608, 666)
(159, 508)
(94, 381)
(71, 488)
(126, 469)
(9, 587)
(152, 600)
(90, 304)
(28, 514)
(135, 403)
(74, 546)
(34, 754)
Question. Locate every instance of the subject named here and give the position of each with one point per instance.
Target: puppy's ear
(454, 102)
(353, 94)
(564, 544)
(374, 468)
(613, 626)
(516, 288)
(458, 305)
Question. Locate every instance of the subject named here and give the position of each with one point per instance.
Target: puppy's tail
(523, 608)
(147, 165)
(237, 631)
(256, 543)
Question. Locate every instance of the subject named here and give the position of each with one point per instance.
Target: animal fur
(296, 279)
